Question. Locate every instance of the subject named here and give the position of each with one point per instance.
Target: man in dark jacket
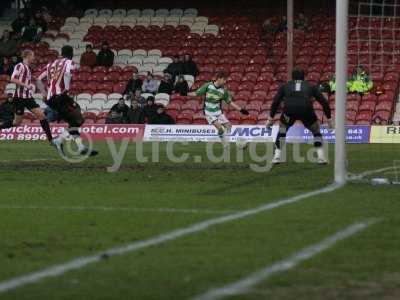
(166, 85)
(133, 85)
(181, 87)
(135, 113)
(19, 23)
(118, 113)
(149, 109)
(88, 58)
(175, 68)
(8, 44)
(6, 110)
(106, 56)
(161, 117)
(189, 66)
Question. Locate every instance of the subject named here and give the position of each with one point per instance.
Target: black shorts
(306, 115)
(67, 109)
(19, 105)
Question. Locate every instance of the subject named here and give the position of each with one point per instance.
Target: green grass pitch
(52, 212)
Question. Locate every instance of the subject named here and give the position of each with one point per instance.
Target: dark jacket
(182, 88)
(133, 85)
(162, 118)
(8, 48)
(135, 116)
(6, 111)
(190, 68)
(149, 111)
(41, 23)
(18, 24)
(166, 87)
(105, 58)
(122, 111)
(175, 69)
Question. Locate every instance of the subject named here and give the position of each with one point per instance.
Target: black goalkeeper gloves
(244, 112)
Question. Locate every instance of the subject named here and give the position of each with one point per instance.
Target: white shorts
(220, 118)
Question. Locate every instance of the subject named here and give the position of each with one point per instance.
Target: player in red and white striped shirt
(59, 75)
(22, 99)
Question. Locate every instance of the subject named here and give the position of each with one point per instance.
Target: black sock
(6, 124)
(46, 127)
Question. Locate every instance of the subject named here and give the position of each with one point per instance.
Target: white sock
(278, 152)
(321, 153)
(63, 136)
(78, 142)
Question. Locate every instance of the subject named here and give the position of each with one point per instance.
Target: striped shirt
(213, 97)
(22, 73)
(58, 74)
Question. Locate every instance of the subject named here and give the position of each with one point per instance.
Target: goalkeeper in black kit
(297, 97)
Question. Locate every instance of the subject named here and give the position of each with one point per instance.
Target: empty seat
(139, 52)
(191, 12)
(162, 99)
(114, 96)
(176, 12)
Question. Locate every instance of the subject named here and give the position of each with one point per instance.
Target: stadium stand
(144, 40)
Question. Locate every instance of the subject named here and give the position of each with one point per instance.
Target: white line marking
(242, 286)
(26, 160)
(125, 209)
(367, 173)
(81, 262)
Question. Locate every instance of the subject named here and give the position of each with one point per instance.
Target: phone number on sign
(22, 137)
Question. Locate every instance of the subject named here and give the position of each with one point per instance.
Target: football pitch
(195, 230)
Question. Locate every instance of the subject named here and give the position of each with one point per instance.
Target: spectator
(282, 27)
(45, 14)
(166, 85)
(149, 84)
(301, 23)
(150, 109)
(40, 21)
(89, 57)
(7, 110)
(106, 56)
(10, 63)
(133, 84)
(137, 96)
(175, 68)
(360, 81)
(189, 66)
(161, 117)
(19, 23)
(118, 113)
(181, 86)
(32, 32)
(268, 27)
(378, 121)
(8, 45)
(135, 113)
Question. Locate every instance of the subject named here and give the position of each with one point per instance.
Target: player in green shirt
(215, 94)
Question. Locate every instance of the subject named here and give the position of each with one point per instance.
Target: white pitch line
(243, 285)
(369, 172)
(125, 209)
(81, 262)
(26, 160)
